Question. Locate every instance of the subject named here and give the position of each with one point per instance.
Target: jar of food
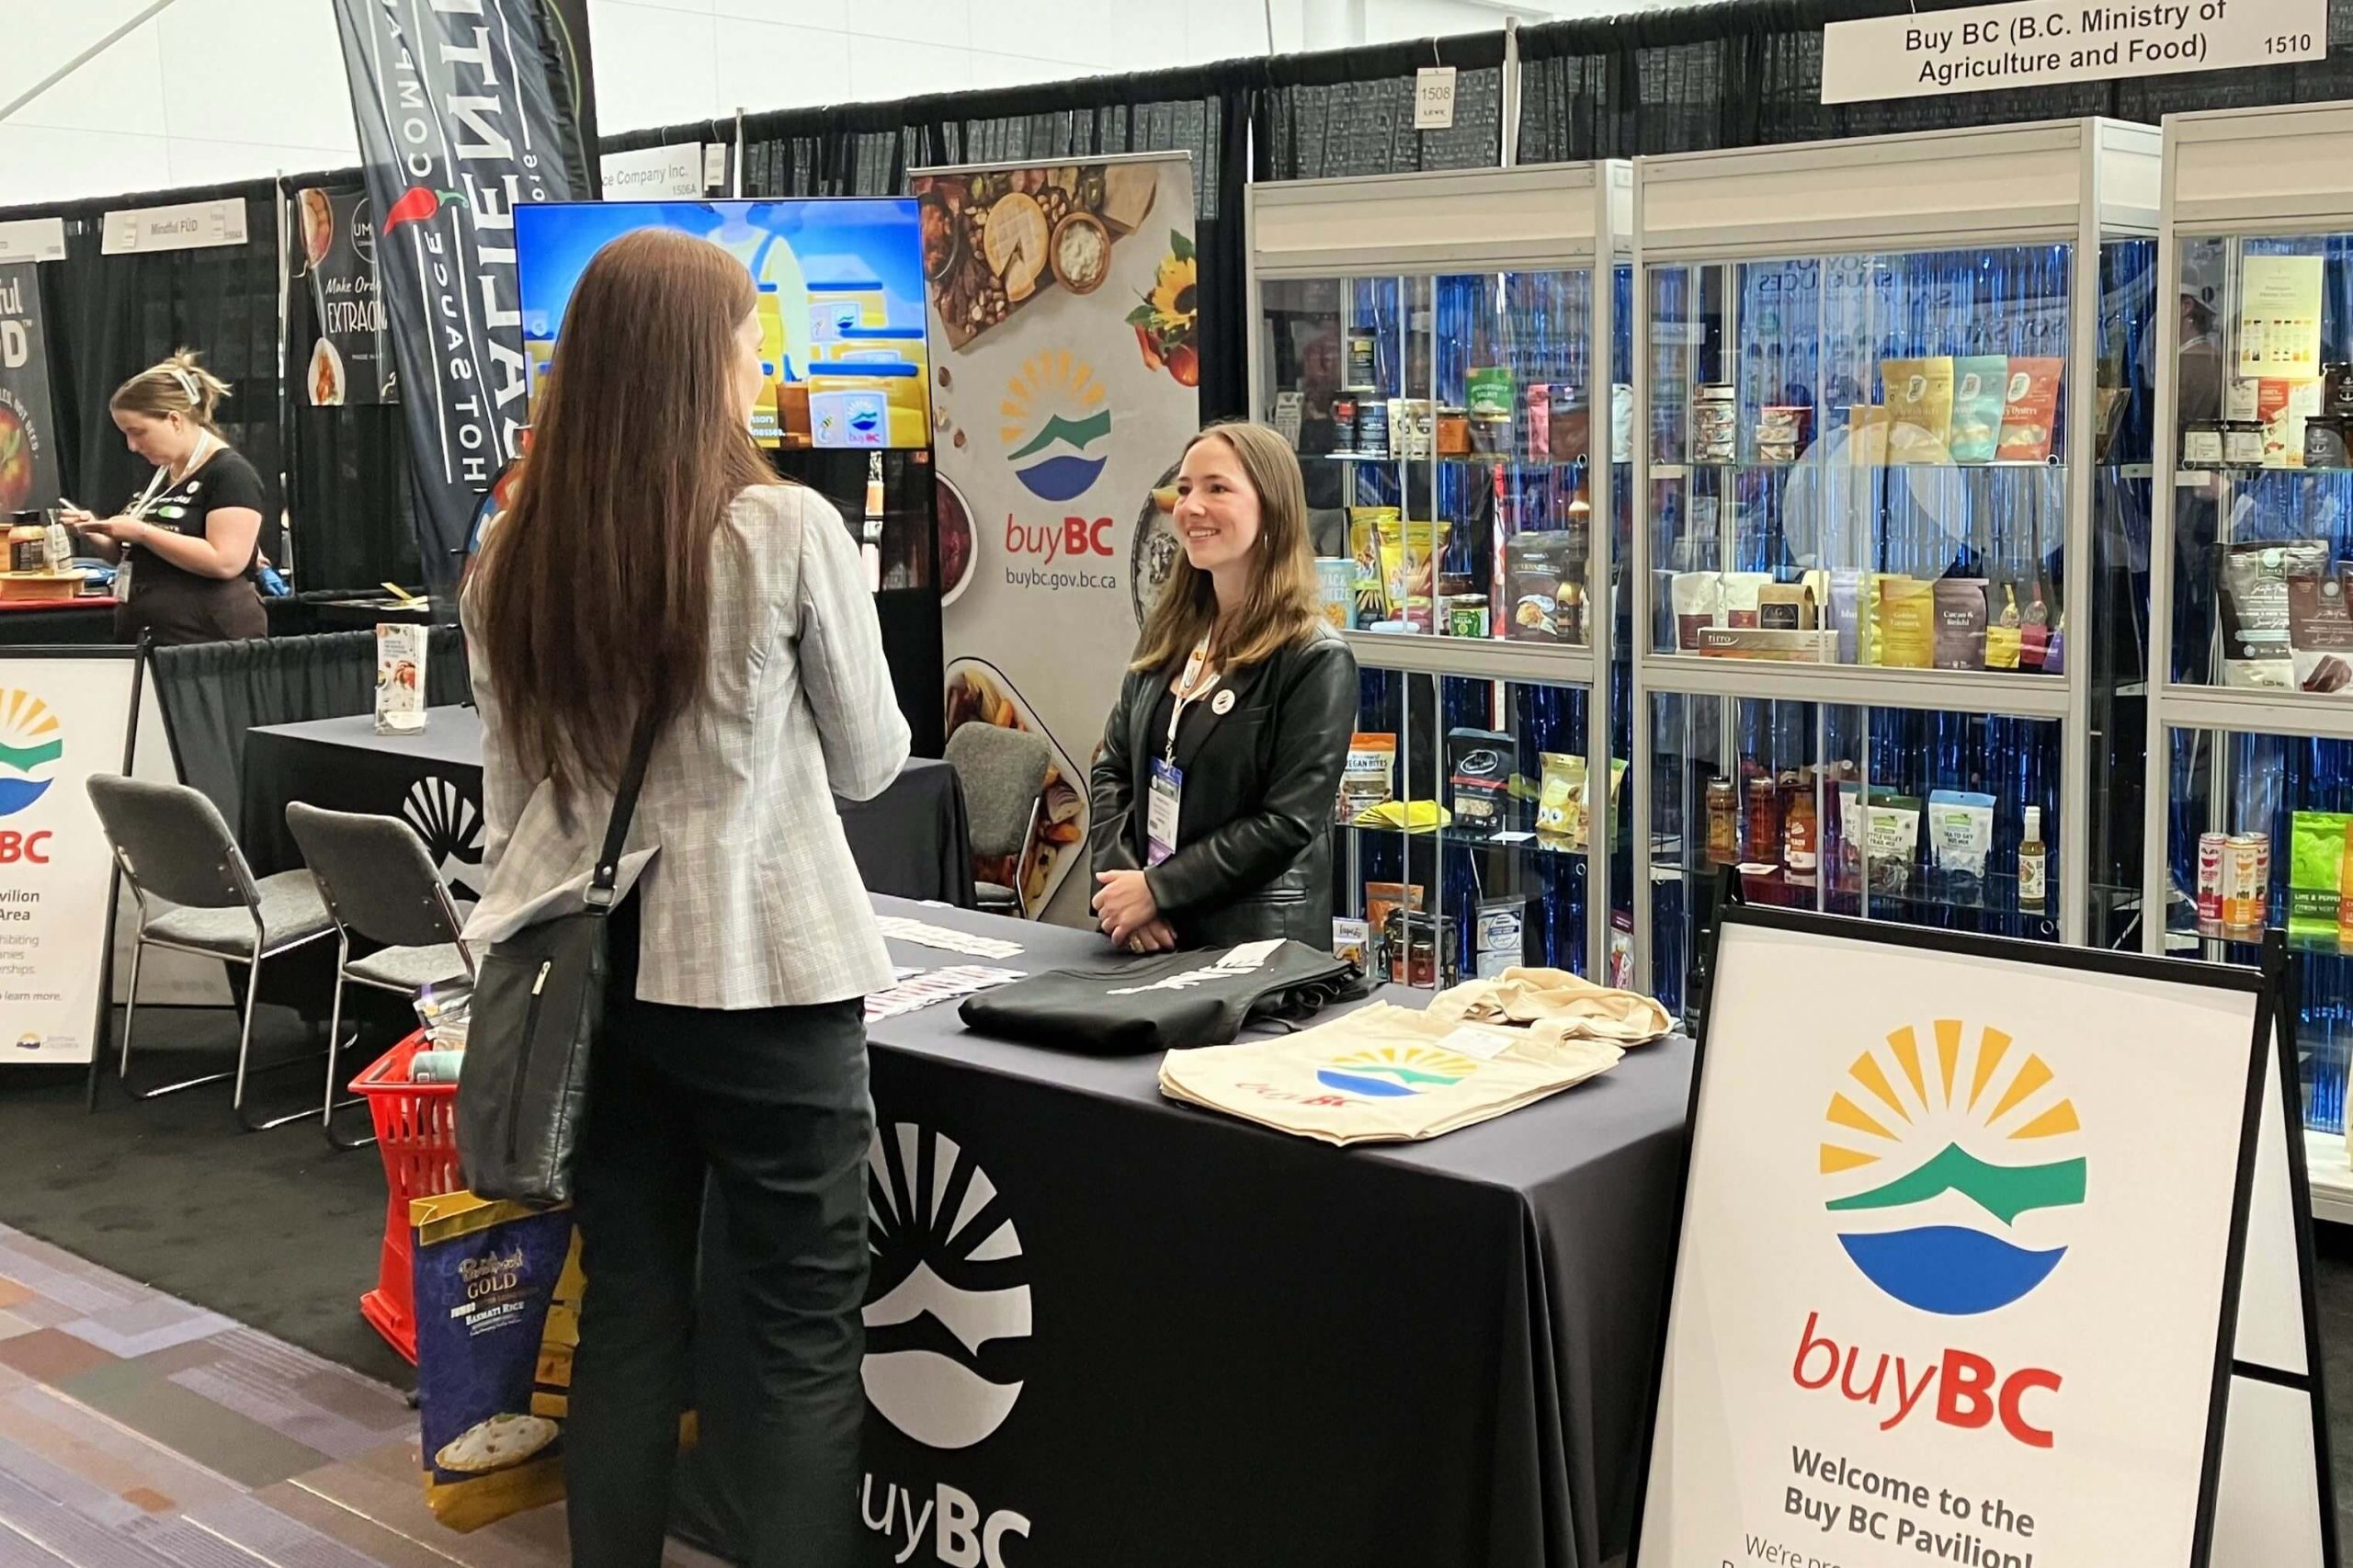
(1466, 615)
(1453, 426)
(1344, 424)
(1724, 823)
(1372, 426)
(1362, 355)
(28, 543)
(1412, 942)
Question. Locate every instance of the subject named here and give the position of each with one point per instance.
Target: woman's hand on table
(1123, 904)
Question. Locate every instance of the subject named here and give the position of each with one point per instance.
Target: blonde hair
(1279, 609)
(178, 385)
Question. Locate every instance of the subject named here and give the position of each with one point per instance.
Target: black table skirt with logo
(910, 840)
(1152, 1334)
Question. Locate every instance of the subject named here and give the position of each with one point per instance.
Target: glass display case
(1450, 354)
(2249, 788)
(1893, 445)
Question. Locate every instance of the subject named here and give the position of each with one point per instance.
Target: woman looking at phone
(187, 549)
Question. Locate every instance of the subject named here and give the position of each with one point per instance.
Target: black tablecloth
(41, 623)
(910, 840)
(1237, 1346)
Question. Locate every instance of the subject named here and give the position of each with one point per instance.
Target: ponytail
(177, 385)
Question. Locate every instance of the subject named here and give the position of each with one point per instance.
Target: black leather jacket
(1254, 843)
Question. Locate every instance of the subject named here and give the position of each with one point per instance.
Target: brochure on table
(1931, 1177)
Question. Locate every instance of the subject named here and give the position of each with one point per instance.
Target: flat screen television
(841, 304)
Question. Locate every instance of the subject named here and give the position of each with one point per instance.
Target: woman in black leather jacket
(1213, 795)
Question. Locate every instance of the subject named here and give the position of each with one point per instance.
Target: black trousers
(773, 1104)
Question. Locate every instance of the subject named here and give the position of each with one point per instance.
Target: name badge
(122, 577)
(1166, 795)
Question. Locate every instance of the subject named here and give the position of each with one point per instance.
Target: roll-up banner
(1064, 359)
(65, 715)
(28, 432)
(335, 238)
(465, 108)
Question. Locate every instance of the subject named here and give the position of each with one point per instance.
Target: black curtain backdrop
(111, 316)
(1350, 113)
(1747, 75)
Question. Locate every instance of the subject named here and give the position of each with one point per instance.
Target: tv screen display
(841, 304)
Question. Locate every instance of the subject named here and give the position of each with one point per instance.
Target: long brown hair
(1279, 609)
(593, 594)
(178, 385)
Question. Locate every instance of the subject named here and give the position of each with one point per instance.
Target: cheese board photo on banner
(1958, 1275)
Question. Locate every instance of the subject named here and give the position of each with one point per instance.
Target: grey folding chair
(378, 883)
(1003, 773)
(197, 895)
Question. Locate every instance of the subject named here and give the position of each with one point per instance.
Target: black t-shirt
(225, 481)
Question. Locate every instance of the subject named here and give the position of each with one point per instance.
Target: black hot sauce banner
(334, 258)
(467, 109)
(27, 433)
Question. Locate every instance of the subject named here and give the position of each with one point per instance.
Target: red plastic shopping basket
(416, 1130)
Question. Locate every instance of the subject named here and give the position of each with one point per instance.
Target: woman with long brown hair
(652, 567)
(1212, 794)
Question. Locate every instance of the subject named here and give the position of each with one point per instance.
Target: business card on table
(946, 938)
(929, 987)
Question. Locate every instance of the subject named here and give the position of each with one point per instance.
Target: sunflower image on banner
(1065, 327)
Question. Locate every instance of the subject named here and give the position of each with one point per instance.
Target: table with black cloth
(910, 840)
(1223, 1344)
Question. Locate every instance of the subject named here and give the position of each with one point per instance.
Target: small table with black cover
(910, 840)
(1129, 1333)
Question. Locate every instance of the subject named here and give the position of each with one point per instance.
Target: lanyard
(1188, 689)
(155, 484)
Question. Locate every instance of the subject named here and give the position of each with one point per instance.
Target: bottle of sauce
(1801, 838)
(1764, 821)
(2033, 864)
(1724, 823)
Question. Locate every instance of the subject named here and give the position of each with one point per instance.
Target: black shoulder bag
(538, 1006)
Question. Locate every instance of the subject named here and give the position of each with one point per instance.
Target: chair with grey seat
(1003, 774)
(378, 883)
(197, 894)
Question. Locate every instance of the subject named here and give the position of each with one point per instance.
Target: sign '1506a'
(2041, 43)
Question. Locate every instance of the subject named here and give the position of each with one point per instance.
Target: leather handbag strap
(608, 858)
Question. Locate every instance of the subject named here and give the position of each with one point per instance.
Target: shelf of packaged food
(2235, 711)
(1470, 460)
(1771, 885)
(1684, 470)
(1511, 840)
(2183, 476)
(2246, 947)
(2001, 692)
(1485, 658)
(2328, 1170)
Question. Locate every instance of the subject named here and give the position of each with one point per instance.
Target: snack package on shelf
(2030, 410)
(2283, 406)
(1335, 590)
(2315, 868)
(1961, 623)
(1867, 435)
(1369, 776)
(399, 677)
(1544, 582)
(1699, 600)
(1961, 839)
(1979, 382)
(1742, 597)
(2320, 628)
(1908, 618)
(1790, 647)
(1918, 396)
(2258, 653)
(1479, 769)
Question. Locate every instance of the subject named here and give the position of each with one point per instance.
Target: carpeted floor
(278, 1233)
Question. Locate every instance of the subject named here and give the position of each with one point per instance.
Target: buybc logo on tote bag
(1383, 1073)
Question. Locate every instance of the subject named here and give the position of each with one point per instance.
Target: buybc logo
(1395, 1072)
(946, 1332)
(1953, 1182)
(31, 742)
(1896, 1146)
(1057, 424)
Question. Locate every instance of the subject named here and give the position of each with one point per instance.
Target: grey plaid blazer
(747, 894)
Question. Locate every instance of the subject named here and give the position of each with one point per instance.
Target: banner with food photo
(1065, 361)
(352, 360)
(27, 433)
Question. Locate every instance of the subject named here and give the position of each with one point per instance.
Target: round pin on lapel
(1223, 703)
